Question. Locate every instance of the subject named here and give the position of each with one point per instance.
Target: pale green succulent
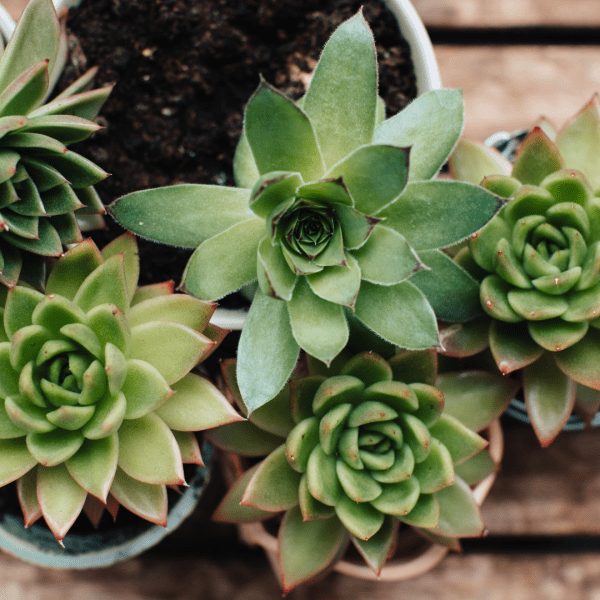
(539, 265)
(43, 185)
(334, 212)
(352, 453)
(96, 393)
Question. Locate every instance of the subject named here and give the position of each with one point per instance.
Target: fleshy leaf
(149, 452)
(549, 396)
(342, 96)
(16, 460)
(579, 142)
(451, 291)
(60, 497)
(274, 486)
(461, 442)
(430, 125)
(580, 362)
(171, 348)
(536, 158)
(476, 398)
(243, 438)
(94, 465)
(73, 268)
(146, 500)
(375, 176)
(24, 51)
(267, 352)
(318, 326)
(416, 214)
(308, 548)
(459, 515)
(280, 135)
(145, 389)
(386, 257)
(196, 405)
(512, 346)
(472, 162)
(204, 276)
(408, 320)
(182, 215)
(230, 509)
(377, 548)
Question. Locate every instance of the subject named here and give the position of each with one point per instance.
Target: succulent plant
(333, 204)
(97, 393)
(352, 454)
(43, 185)
(539, 265)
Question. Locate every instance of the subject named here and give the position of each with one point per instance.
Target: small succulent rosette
(336, 214)
(43, 185)
(98, 404)
(538, 262)
(353, 454)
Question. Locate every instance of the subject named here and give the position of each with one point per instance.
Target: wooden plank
(546, 491)
(476, 577)
(510, 87)
(508, 13)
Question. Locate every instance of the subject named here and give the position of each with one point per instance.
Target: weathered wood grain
(483, 577)
(510, 87)
(508, 13)
(546, 491)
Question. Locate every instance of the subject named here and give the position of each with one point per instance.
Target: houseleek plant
(352, 455)
(335, 213)
(43, 185)
(538, 262)
(98, 402)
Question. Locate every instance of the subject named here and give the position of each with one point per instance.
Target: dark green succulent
(538, 261)
(353, 453)
(43, 185)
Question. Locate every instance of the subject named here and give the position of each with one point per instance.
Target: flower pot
(100, 548)
(410, 559)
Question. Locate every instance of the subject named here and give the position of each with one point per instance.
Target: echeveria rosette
(43, 185)
(97, 397)
(539, 265)
(333, 205)
(353, 454)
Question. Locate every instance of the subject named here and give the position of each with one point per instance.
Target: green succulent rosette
(43, 185)
(538, 261)
(353, 454)
(98, 404)
(336, 214)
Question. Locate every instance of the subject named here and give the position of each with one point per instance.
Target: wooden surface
(508, 13)
(510, 87)
(551, 493)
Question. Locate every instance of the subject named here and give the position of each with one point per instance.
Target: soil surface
(183, 71)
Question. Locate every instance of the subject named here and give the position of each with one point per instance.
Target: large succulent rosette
(354, 453)
(43, 185)
(336, 215)
(98, 404)
(539, 265)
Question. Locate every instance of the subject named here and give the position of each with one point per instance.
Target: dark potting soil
(183, 71)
